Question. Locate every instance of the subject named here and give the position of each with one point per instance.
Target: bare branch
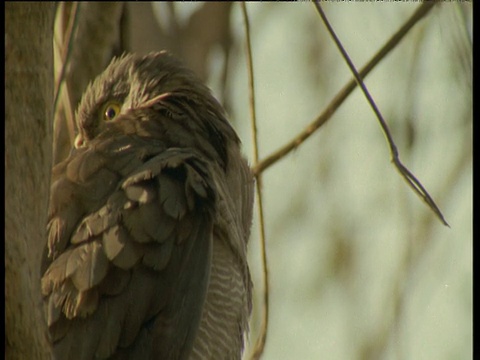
(66, 23)
(262, 337)
(66, 48)
(409, 177)
(345, 91)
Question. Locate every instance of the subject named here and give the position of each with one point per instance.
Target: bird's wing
(128, 255)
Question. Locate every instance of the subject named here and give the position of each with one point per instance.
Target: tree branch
(262, 337)
(344, 92)
(408, 176)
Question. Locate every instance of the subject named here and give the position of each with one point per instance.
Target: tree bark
(28, 160)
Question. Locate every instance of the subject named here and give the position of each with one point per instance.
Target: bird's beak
(78, 142)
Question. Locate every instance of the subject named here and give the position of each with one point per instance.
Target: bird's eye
(111, 110)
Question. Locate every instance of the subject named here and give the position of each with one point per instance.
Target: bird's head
(157, 93)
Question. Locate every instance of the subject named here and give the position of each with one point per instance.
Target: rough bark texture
(28, 139)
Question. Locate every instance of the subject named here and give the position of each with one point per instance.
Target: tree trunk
(28, 160)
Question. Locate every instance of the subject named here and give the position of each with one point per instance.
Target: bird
(148, 221)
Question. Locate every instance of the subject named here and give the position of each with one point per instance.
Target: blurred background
(359, 267)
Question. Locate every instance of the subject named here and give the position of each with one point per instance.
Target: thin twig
(342, 95)
(73, 23)
(411, 180)
(262, 337)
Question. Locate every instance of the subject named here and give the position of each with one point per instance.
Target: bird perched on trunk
(148, 222)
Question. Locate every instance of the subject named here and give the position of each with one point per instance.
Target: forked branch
(411, 180)
(344, 92)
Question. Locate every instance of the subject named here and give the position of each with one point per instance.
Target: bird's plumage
(148, 222)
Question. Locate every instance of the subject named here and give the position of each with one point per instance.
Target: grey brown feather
(148, 223)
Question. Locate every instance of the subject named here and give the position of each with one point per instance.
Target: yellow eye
(111, 110)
